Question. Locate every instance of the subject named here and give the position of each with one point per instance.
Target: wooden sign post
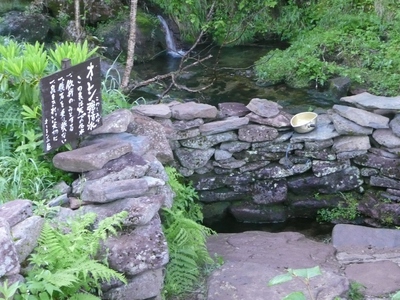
(71, 103)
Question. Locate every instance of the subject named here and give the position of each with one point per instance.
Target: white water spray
(169, 39)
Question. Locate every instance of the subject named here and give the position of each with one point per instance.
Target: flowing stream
(232, 77)
(233, 80)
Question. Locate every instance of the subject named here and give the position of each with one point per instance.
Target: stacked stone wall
(245, 160)
(248, 161)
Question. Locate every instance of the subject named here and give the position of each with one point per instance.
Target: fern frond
(97, 271)
(83, 296)
(10, 115)
(63, 278)
(108, 226)
(5, 145)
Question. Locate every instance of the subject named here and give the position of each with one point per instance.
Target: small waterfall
(169, 39)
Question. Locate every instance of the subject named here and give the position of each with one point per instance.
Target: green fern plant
(186, 238)
(64, 264)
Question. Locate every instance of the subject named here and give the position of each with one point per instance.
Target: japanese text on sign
(71, 103)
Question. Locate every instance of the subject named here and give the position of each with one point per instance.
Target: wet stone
(232, 123)
(254, 166)
(230, 163)
(282, 147)
(369, 101)
(386, 138)
(315, 146)
(269, 191)
(206, 142)
(282, 120)
(134, 252)
(324, 154)
(9, 263)
(347, 127)
(350, 154)
(274, 170)
(192, 110)
(322, 168)
(351, 143)
(257, 133)
(160, 110)
(230, 109)
(368, 172)
(236, 146)
(381, 181)
(185, 125)
(222, 154)
(264, 107)
(184, 134)
(194, 158)
(382, 152)
(92, 157)
(395, 125)
(321, 133)
(103, 192)
(344, 180)
(222, 194)
(362, 117)
(255, 213)
(375, 161)
(115, 122)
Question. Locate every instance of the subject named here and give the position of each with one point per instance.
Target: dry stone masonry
(248, 161)
(245, 160)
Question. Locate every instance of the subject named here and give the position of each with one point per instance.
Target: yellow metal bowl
(304, 122)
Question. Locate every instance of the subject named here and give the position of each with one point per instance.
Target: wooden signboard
(71, 103)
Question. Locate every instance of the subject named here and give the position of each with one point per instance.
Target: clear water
(230, 72)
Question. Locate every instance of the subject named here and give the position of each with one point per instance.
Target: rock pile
(118, 172)
(242, 159)
(246, 159)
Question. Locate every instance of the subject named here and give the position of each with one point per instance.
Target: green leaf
(396, 296)
(307, 273)
(280, 279)
(295, 296)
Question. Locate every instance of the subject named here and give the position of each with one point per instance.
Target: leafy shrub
(64, 265)
(186, 238)
(347, 210)
(357, 39)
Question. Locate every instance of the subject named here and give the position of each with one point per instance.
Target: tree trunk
(131, 45)
(77, 20)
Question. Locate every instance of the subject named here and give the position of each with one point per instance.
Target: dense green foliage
(347, 210)
(186, 238)
(65, 265)
(25, 172)
(230, 22)
(358, 39)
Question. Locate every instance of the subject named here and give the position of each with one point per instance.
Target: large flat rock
(92, 157)
(253, 258)
(367, 100)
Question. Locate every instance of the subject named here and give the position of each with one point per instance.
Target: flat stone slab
(346, 127)
(386, 138)
(231, 123)
(264, 108)
(367, 100)
(92, 157)
(160, 110)
(192, 110)
(362, 117)
(346, 236)
(253, 258)
(321, 132)
(379, 278)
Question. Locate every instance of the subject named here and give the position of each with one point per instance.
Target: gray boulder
(25, 27)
